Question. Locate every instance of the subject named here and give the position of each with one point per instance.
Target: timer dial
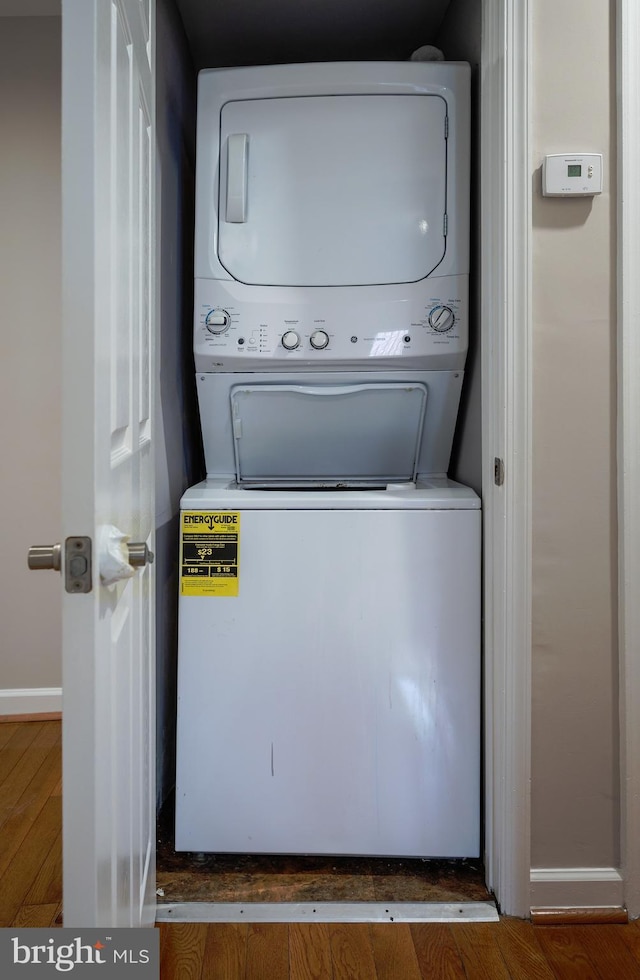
(217, 321)
(319, 339)
(290, 340)
(441, 318)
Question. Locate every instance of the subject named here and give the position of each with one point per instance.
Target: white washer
(333, 705)
(329, 656)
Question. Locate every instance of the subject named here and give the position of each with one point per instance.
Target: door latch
(77, 564)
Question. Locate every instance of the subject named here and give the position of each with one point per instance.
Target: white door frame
(506, 422)
(506, 426)
(505, 317)
(628, 344)
(506, 325)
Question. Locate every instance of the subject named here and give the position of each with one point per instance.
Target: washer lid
(332, 190)
(301, 435)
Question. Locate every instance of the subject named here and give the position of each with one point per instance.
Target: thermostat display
(572, 175)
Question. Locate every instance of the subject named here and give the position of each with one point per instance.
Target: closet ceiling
(258, 32)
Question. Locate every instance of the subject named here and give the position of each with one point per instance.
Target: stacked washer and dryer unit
(329, 635)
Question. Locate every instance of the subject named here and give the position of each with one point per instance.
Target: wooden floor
(511, 948)
(30, 823)
(31, 895)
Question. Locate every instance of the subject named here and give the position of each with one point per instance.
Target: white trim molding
(628, 342)
(30, 701)
(506, 425)
(574, 888)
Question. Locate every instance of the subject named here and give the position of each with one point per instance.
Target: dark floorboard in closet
(185, 877)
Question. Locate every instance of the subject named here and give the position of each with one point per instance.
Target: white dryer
(329, 636)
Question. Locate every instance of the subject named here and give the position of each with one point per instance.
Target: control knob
(441, 318)
(290, 340)
(319, 339)
(217, 321)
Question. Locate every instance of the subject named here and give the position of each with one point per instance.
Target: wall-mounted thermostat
(572, 174)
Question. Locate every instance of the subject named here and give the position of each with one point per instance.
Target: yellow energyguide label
(209, 552)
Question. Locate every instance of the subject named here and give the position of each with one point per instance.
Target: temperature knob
(319, 339)
(290, 340)
(441, 318)
(217, 321)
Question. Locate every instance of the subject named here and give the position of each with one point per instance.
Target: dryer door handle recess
(237, 160)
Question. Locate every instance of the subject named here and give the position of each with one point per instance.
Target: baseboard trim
(33, 716)
(576, 889)
(30, 702)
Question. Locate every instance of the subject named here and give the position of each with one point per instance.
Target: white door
(108, 353)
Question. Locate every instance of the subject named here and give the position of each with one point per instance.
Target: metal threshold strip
(327, 912)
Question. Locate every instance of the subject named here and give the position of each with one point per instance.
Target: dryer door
(332, 190)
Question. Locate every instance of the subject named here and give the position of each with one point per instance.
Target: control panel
(572, 175)
(329, 329)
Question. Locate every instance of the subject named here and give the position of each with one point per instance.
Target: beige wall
(30, 364)
(575, 750)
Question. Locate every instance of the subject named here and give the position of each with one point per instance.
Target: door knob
(139, 554)
(117, 557)
(76, 560)
(45, 556)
